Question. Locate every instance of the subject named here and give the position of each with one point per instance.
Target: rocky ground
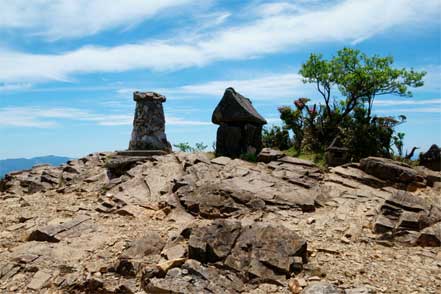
(187, 223)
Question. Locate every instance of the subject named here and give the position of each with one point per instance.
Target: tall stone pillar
(149, 123)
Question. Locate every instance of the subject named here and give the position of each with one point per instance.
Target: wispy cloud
(38, 117)
(15, 87)
(406, 101)
(69, 19)
(273, 86)
(280, 30)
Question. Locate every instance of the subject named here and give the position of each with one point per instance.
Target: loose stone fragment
(39, 280)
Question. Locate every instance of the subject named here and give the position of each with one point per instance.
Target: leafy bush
(276, 137)
(359, 79)
(185, 147)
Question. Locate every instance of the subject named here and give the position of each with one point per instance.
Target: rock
(267, 155)
(430, 236)
(321, 288)
(240, 130)
(221, 160)
(266, 251)
(193, 277)
(432, 158)
(352, 173)
(175, 252)
(169, 264)
(119, 165)
(151, 243)
(213, 242)
(39, 280)
(431, 176)
(149, 123)
(359, 290)
(389, 170)
(403, 213)
(51, 233)
(310, 220)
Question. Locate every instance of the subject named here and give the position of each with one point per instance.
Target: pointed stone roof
(235, 108)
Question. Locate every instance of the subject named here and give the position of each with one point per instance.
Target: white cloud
(15, 87)
(68, 19)
(39, 117)
(347, 21)
(406, 101)
(266, 87)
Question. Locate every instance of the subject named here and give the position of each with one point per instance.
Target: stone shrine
(240, 129)
(149, 123)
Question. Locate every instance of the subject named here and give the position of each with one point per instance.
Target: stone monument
(149, 123)
(240, 129)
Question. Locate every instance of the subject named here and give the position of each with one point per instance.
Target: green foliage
(276, 137)
(199, 147)
(251, 157)
(360, 79)
(185, 147)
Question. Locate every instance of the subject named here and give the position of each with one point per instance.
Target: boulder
(262, 250)
(432, 158)
(389, 170)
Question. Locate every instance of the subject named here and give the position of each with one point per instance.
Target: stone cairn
(149, 123)
(240, 129)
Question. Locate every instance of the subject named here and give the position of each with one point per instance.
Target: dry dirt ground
(185, 223)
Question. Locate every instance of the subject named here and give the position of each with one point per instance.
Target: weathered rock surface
(404, 216)
(267, 155)
(190, 223)
(388, 170)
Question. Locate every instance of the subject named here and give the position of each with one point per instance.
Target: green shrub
(185, 147)
(276, 137)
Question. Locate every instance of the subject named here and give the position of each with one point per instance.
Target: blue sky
(68, 68)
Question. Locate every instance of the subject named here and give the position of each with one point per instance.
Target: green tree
(359, 79)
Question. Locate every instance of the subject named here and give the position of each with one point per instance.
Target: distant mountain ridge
(14, 164)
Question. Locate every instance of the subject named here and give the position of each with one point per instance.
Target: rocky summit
(192, 223)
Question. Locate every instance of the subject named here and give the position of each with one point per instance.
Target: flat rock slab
(389, 170)
(39, 280)
(50, 233)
